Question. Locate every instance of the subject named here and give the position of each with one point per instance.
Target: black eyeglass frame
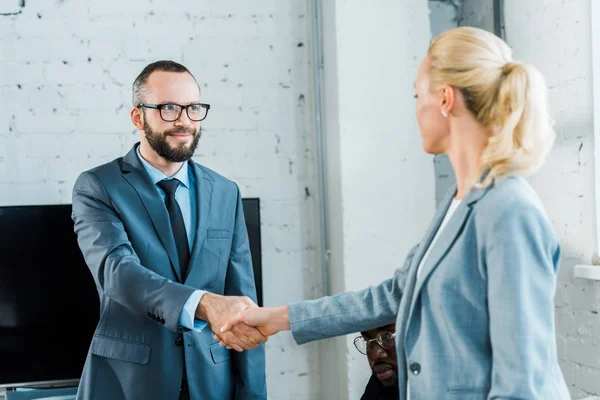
(377, 339)
(159, 107)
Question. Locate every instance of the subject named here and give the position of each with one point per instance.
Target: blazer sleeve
(250, 378)
(113, 262)
(349, 312)
(520, 258)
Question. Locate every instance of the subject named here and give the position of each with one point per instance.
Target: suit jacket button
(415, 368)
(179, 341)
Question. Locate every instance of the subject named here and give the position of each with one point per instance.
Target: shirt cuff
(187, 317)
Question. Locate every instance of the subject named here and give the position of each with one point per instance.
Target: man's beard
(181, 153)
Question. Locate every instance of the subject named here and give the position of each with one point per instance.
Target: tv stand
(30, 393)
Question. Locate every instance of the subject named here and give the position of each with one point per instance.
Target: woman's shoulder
(511, 194)
(512, 204)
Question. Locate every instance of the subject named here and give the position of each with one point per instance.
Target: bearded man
(166, 242)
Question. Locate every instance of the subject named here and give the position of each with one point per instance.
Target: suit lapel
(203, 201)
(414, 285)
(435, 224)
(443, 244)
(409, 288)
(401, 325)
(445, 241)
(134, 173)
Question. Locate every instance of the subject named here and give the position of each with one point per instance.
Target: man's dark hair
(139, 85)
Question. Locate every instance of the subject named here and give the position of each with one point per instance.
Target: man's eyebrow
(181, 104)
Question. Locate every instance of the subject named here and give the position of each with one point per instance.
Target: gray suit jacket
(478, 323)
(124, 232)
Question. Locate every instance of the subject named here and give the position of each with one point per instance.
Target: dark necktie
(177, 225)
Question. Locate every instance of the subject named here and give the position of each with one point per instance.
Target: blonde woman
(473, 303)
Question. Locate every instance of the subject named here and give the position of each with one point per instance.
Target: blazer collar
(136, 175)
(445, 240)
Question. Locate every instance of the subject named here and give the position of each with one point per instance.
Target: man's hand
(268, 321)
(217, 310)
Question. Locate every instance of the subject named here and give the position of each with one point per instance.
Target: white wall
(380, 186)
(443, 16)
(66, 69)
(556, 37)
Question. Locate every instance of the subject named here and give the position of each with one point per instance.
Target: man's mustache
(178, 131)
(382, 366)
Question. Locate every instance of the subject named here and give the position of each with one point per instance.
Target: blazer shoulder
(513, 202)
(104, 173)
(508, 195)
(215, 178)
(106, 170)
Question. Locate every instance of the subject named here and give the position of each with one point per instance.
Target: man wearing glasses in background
(380, 348)
(166, 242)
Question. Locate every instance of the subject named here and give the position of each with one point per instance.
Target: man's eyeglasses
(386, 340)
(172, 112)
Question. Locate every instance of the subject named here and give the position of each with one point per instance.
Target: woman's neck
(468, 139)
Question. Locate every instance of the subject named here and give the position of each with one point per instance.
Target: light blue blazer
(478, 323)
(124, 232)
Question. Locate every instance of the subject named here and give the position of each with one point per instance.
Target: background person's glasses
(386, 340)
(172, 112)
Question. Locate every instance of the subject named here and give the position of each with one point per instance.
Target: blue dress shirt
(186, 197)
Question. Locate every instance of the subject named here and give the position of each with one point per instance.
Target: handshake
(238, 323)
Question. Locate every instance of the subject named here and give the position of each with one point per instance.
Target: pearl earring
(444, 113)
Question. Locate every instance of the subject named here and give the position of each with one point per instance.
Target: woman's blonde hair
(507, 96)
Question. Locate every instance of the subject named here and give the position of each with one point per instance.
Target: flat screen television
(48, 300)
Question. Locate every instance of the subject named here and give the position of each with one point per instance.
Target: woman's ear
(447, 100)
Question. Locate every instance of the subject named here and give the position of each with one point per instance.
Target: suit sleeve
(349, 312)
(249, 365)
(113, 262)
(521, 256)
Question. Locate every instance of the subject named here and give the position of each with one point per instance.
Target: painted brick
(75, 63)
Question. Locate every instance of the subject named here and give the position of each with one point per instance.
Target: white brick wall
(66, 68)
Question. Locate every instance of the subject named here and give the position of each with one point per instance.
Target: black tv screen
(48, 300)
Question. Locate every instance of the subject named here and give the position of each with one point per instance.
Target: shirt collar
(156, 175)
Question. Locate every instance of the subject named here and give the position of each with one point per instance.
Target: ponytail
(523, 133)
(507, 96)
